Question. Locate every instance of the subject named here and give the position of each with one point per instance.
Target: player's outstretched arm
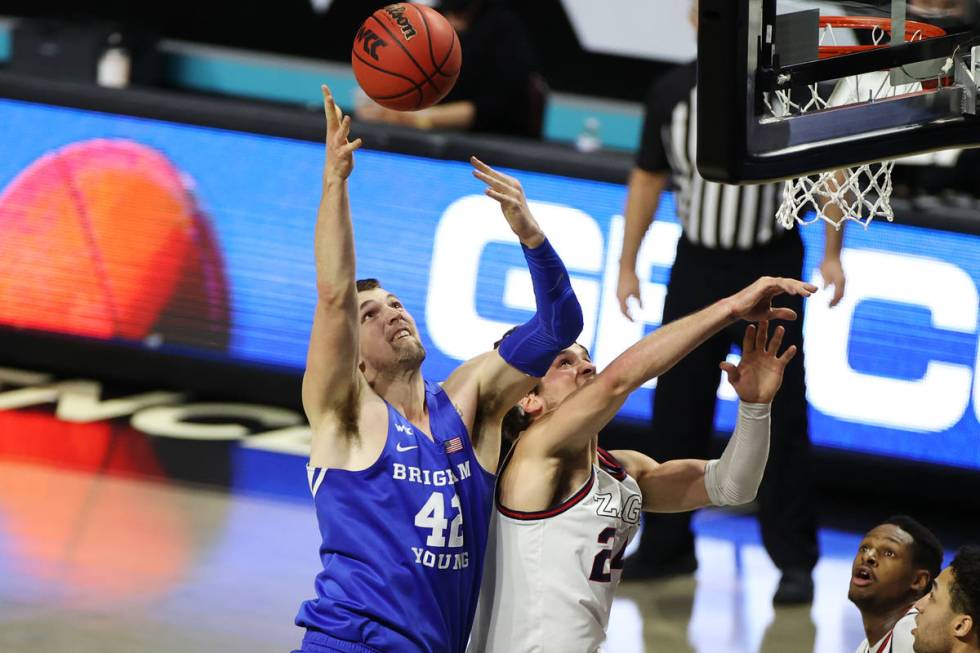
(330, 382)
(495, 381)
(680, 485)
(589, 409)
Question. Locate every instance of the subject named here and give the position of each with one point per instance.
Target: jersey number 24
(599, 573)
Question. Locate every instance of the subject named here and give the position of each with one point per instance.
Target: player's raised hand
(509, 193)
(759, 374)
(754, 303)
(340, 152)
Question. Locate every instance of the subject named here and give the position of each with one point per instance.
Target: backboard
(785, 91)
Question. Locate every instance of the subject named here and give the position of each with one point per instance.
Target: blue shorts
(317, 642)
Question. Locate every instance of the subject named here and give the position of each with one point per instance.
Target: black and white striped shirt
(717, 216)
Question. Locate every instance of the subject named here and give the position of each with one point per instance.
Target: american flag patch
(454, 445)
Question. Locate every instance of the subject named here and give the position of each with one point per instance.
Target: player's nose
(393, 315)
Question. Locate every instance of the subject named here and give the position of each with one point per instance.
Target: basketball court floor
(97, 563)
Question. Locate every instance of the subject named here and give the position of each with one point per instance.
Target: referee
(730, 237)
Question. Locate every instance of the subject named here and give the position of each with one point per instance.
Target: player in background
(566, 509)
(949, 615)
(401, 469)
(895, 565)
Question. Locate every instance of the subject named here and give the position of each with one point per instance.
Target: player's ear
(963, 625)
(532, 405)
(921, 581)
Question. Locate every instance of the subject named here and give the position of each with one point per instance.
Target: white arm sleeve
(735, 477)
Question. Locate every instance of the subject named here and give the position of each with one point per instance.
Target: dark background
(293, 27)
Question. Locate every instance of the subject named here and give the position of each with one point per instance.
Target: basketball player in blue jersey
(566, 509)
(401, 469)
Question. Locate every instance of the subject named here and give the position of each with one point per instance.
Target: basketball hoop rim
(912, 28)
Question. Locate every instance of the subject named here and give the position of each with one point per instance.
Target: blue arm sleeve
(533, 346)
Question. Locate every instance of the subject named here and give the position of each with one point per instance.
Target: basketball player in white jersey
(566, 509)
(895, 566)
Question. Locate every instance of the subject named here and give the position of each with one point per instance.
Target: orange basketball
(406, 56)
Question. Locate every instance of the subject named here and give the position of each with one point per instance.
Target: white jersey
(897, 640)
(549, 577)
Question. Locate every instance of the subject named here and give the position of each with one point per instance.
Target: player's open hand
(754, 303)
(759, 374)
(509, 193)
(340, 152)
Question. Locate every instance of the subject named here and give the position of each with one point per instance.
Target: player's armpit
(501, 386)
(342, 410)
(351, 435)
(331, 382)
(673, 486)
(484, 389)
(487, 385)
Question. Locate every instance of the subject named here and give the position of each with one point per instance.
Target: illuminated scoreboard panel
(200, 240)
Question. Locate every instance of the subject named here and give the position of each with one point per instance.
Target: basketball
(406, 56)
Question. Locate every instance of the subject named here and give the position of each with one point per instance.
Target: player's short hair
(927, 551)
(515, 422)
(965, 590)
(367, 284)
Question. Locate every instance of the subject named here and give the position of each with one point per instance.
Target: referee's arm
(642, 200)
(647, 181)
(831, 268)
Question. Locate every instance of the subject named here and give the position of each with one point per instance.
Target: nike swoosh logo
(402, 449)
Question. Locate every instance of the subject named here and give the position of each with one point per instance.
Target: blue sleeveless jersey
(403, 541)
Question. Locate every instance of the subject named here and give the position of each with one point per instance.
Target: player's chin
(410, 349)
(858, 593)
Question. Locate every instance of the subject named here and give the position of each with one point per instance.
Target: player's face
(934, 627)
(388, 335)
(883, 572)
(570, 370)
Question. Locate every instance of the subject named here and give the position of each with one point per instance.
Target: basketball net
(861, 193)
